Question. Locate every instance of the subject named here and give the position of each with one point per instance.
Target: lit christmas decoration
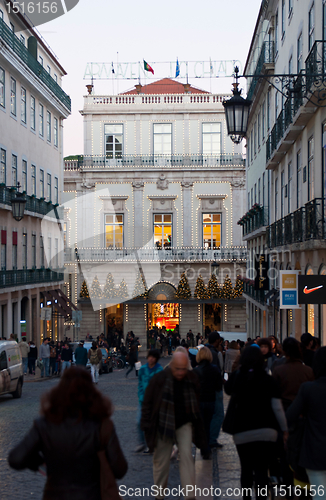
(109, 291)
(84, 291)
(183, 291)
(96, 290)
(227, 291)
(140, 289)
(123, 290)
(213, 288)
(238, 288)
(200, 289)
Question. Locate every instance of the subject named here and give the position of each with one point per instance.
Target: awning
(60, 301)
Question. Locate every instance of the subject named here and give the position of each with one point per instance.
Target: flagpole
(112, 73)
(117, 70)
(139, 72)
(187, 72)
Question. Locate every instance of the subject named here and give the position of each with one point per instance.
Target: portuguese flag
(147, 67)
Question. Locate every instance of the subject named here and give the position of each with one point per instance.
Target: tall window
(114, 231)
(263, 121)
(282, 194)
(276, 32)
(311, 26)
(162, 138)
(163, 230)
(258, 129)
(255, 138)
(41, 118)
(55, 131)
(42, 251)
(14, 249)
(251, 146)
(34, 251)
(212, 230)
(33, 178)
(56, 190)
(3, 250)
(48, 126)
(299, 179)
(13, 96)
(263, 200)
(259, 190)
(24, 255)
(24, 176)
(299, 53)
(23, 105)
(291, 65)
(14, 170)
(283, 18)
(56, 253)
(113, 141)
(290, 7)
(311, 176)
(49, 187)
(276, 105)
(289, 186)
(255, 188)
(276, 198)
(32, 112)
(3, 168)
(268, 110)
(49, 255)
(212, 138)
(2, 87)
(41, 183)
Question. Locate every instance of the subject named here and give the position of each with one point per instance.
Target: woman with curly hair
(74, 426)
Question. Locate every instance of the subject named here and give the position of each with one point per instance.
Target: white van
(234, 336)
(11, 369)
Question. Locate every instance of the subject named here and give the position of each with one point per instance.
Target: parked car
(11, 369)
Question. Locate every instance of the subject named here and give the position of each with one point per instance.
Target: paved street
(16, 417)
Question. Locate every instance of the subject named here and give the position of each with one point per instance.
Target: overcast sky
(130, 31)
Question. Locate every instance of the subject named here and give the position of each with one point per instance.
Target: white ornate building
(159, 188)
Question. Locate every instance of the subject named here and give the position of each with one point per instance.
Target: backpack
(93, 359)
(53, 352)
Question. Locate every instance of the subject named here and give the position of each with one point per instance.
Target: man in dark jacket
(81, 354)
(170, 414)
(66, 357)
(214, 340)
(308, 354)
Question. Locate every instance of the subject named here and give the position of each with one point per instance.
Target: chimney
(138, 88)
(187, 88)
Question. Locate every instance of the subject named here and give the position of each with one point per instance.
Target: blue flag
(177, 69)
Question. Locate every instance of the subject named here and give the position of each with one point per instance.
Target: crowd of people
(276, 414)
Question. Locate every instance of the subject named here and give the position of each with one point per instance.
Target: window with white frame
(3, 166)
(212, 138)
(14, 170)
(255, 138)
(49, 255)
(56, 190)
(299, 53)
(259, 191)
(23, 105)
(283, 18)
(276, 33)
(311, 27)
(13, 104)
(33, 180)
(33, 251)
(41, 120)
(263, 194)
(268, 110)
(255, 191)
(42, 251)
(55, 132)
(56, 252)
(212, 230)
(299, 179)
(41, 183)
(162, 138)
(49, 186)
(24, 176)
(114, 230)
(48, 126)
(289, 187)
(163, 230)
(311, 173)
(258, 129)
(290, 8)
(282, 194)
(2, 87)
(113, 137)
(32, 112)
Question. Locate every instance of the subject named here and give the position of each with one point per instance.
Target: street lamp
(237, 112)
(18, 202)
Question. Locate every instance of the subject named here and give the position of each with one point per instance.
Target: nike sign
(309, 290)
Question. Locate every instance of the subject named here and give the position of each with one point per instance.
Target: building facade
(285, 216)
(157, 192)
(32, 109)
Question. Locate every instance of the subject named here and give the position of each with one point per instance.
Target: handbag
(109, 488)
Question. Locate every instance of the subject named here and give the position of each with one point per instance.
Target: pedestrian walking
(75, 424)
(45, 357)
(230, 356)
(311, 404)
(24, 350)
(53, 358)
(81, 355)
(95, 356)
(32, 357)
(253, 417)
(145, 374)
(66, 357)
(170, 414)
(268, 355)
(210, 380)
(214, 341)
(132, 359)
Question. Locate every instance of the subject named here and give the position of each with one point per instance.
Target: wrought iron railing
(316, 66)
(258, 295)
(28, 276)
(21, 51)
(255, 221)
(306, 223)
(266, 56)
(33, 204)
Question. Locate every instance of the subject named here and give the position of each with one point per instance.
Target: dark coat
(210, 380)
(70, 454)
(151, 409)
(81, 356)
(311, 403)
(289, 376)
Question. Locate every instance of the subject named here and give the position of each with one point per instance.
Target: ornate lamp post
(18, 202)
(237, 112)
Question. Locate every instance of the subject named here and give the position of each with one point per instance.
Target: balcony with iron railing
(12, 41)
(22, 277)
(151, 254)
(258, 295)
(33, 204)
(256, 218)
(306, 223)
(266, 57)
(155, 161)
(316, 69)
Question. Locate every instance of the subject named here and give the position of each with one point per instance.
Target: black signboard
(261, 268)
(312, 289)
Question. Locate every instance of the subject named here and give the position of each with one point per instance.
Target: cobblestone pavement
(17, 415)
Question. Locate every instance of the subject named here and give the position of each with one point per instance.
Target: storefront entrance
(163, 315)
(212, 317)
